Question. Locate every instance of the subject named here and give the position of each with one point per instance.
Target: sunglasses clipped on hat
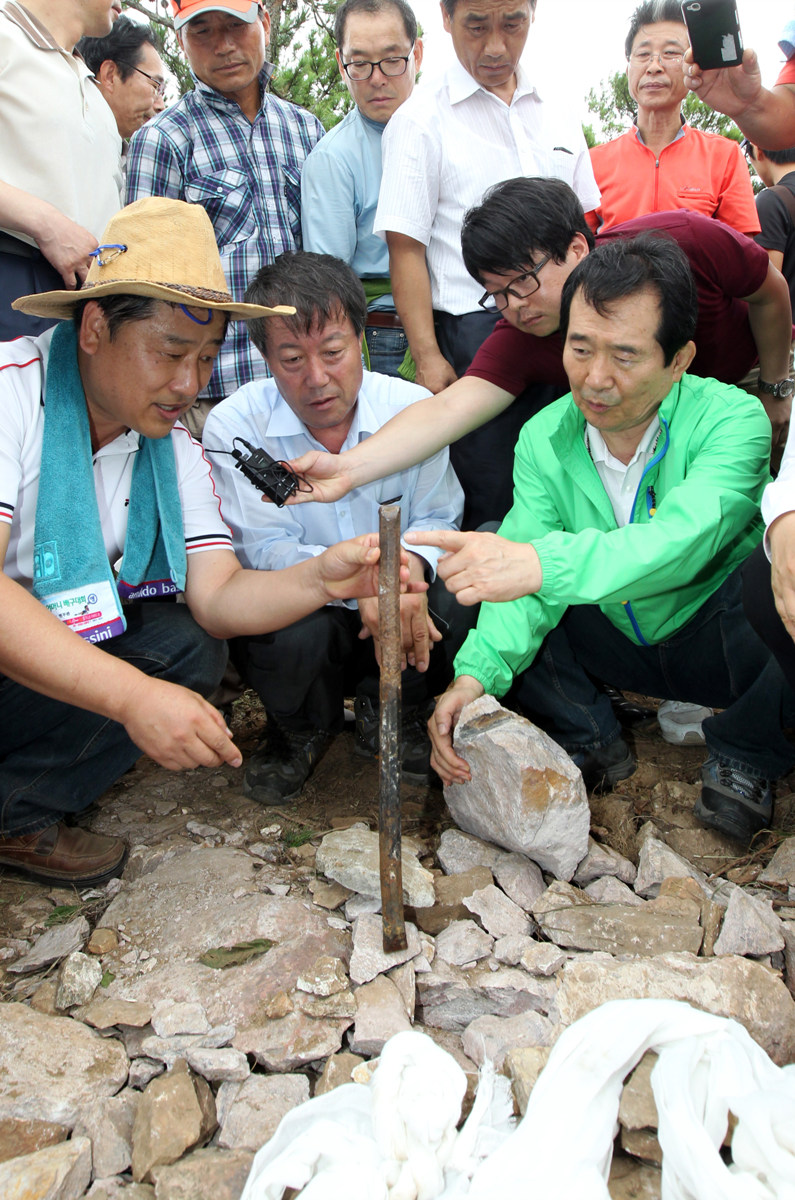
(155, 247)
(185, 10)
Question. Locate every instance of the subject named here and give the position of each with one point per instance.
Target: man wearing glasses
(662, 163)
(58, 189)
(379, 54)
(235, 149)
(482, 122)
(129, 73)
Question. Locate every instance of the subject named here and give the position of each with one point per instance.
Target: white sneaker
(680, 722)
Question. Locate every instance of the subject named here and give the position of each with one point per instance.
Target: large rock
(108, 1124)
(525, 794)
(657, 861)
(352, 857)
(749, 927)
(658, 927)
(25, 1137)
(257, 1107)
(449, 998)
(728, 987)
(492, 1038)
(780, 871)
(369, 957)
(220, 1174)
(51, 947)
(53, 1067)
(172, 1117)
(380, 1013)
(61, 1172)
(499, 916)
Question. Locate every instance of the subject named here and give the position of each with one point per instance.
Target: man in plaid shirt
(233, 148)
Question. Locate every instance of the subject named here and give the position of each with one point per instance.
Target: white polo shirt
(58, 136)
(447, 145)
(23, 365)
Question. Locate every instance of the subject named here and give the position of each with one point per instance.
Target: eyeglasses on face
(358, 69)
(159, 85)
(668, 58)
(520, 288)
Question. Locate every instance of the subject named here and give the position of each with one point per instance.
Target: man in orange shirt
(662, 163)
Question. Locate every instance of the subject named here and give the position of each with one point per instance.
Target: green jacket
(695, 519)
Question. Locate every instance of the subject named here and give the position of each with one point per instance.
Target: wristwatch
(781, 390)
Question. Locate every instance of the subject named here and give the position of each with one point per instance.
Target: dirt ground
(152, 806)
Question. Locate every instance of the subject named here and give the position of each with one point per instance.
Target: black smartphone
(714, 30)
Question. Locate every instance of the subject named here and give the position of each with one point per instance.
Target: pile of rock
(138, 1069)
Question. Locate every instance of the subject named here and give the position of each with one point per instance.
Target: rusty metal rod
(389, 840)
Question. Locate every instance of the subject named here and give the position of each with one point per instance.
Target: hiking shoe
(601, 769)
(680, 722)
(282, 763)
(629, 714)
(732, 801)
(64, 854)
(415, 744)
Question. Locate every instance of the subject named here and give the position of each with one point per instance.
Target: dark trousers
(56, 759)
(716, 660)
(23, 275)
(303, 673)
(760, 609)
(483, 459)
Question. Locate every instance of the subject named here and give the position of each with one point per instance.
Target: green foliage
(615, 110)
(293, 838)
(313, 79)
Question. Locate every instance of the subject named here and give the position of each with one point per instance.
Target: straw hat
(155, 247)
(244, 10)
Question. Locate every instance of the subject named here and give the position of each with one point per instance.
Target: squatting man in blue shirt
(639, 585)
(96, 467)
(320, 398)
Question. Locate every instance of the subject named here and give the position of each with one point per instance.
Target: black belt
(383, 320)
(12, 245)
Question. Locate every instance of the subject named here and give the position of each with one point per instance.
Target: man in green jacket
(636, 501)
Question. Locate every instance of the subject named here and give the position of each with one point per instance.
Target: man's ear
(108, 74)
(578, 247)
(93, 328)
(682, 360)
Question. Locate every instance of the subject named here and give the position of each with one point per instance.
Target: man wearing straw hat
(95, 468)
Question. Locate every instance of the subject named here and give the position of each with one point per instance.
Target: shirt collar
(367, 420)
(462, 85)
(601, 452)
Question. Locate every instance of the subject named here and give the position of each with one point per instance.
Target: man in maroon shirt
(522, 243)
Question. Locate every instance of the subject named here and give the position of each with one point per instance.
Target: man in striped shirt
(235, 149)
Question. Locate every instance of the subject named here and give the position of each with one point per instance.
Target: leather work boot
(64, 854)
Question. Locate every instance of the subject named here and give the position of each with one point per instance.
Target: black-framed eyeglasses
(395, 65)
(158, 84)
(520, 287)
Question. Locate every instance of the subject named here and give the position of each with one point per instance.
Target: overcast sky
(575, 44)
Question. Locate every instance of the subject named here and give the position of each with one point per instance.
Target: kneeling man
(636, 503)
(321, 398)
(96, 471)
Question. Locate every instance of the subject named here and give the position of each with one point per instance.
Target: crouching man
(95, 470)
(320, 398)
(636, 503)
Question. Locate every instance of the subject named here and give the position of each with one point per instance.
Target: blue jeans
(55, 759)
(387, 349)
(716, 660)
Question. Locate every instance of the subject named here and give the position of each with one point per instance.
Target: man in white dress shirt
(320, 397)
(482, 123)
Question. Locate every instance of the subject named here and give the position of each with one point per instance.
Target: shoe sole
(693, 737)
(72, 880)
(741, 831)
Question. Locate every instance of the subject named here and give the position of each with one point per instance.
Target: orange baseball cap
(186, 10)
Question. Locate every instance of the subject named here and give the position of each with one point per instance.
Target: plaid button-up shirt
(246, 175)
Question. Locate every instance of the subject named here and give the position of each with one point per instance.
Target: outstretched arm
(410, 437)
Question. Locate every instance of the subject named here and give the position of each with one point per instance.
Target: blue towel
(71, 572)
